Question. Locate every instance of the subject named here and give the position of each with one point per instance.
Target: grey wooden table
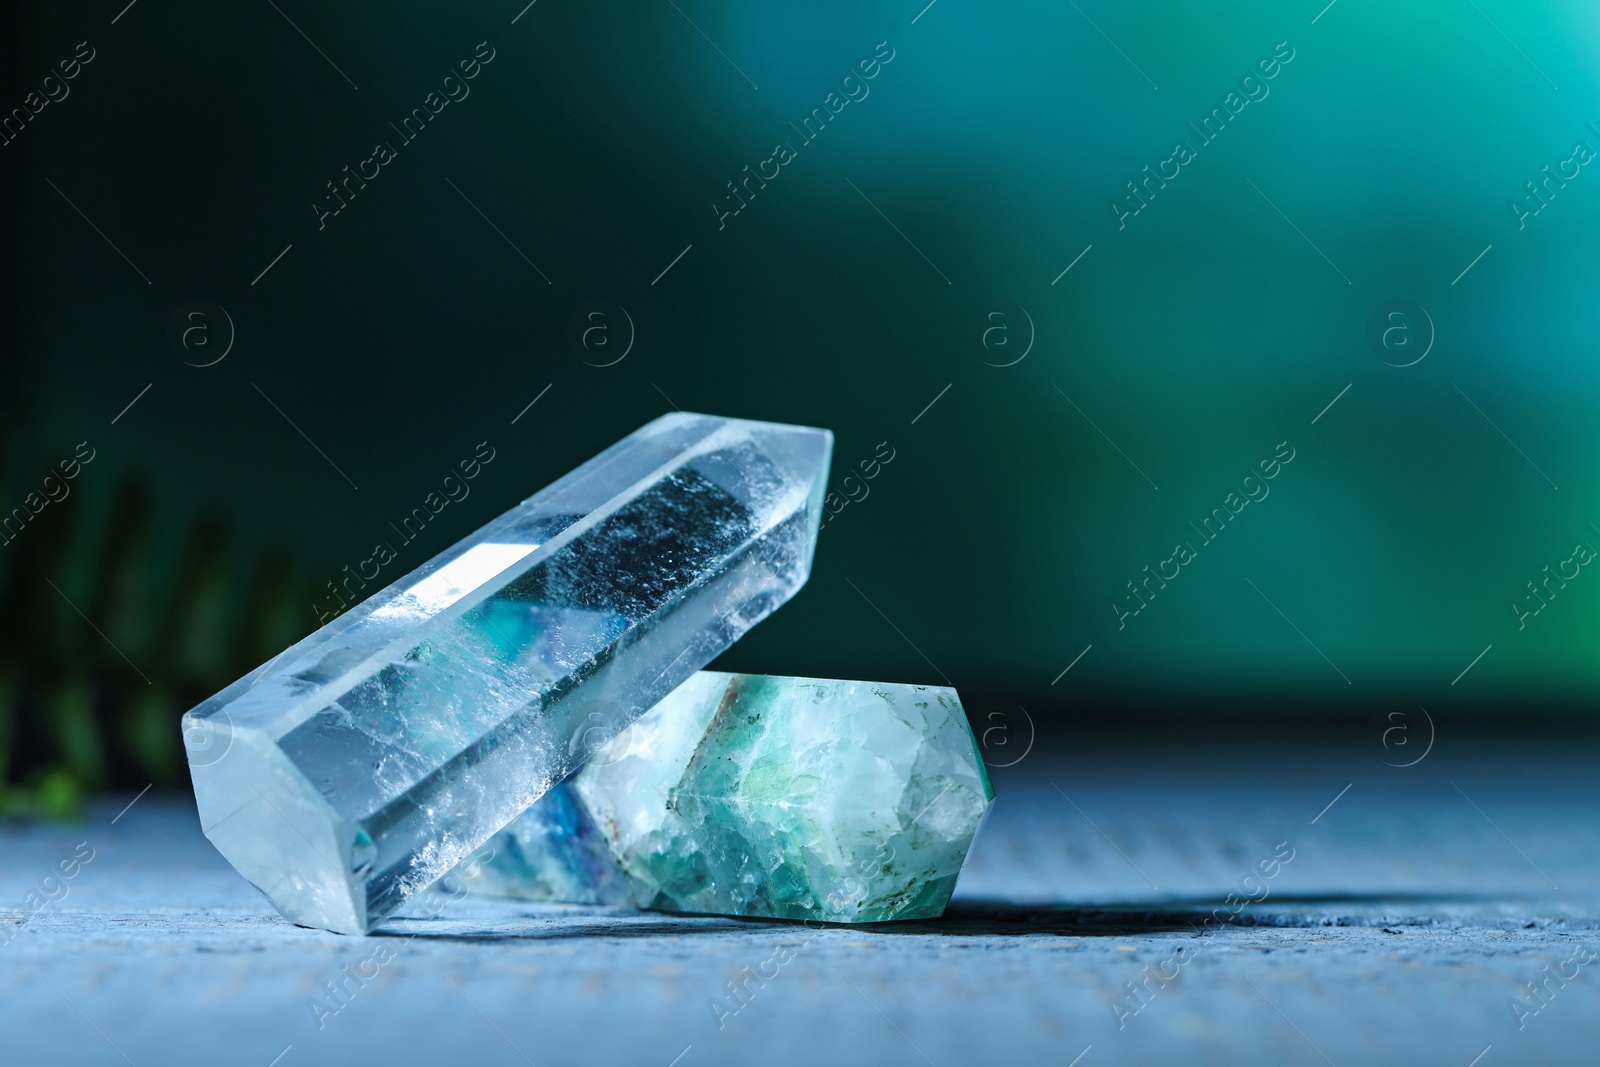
(1378, 915)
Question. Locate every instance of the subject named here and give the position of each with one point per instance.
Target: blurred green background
(913, 253)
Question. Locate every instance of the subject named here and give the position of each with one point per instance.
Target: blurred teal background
(904, 258)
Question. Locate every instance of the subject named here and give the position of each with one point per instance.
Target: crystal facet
(739, 794)
(554, 851)
(351, 772)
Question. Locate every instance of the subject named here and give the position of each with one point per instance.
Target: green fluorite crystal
(740, 794)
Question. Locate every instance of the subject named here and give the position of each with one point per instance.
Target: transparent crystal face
(554, 852)
(795, 798)
(355, 769)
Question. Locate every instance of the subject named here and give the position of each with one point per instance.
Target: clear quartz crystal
(352, 771)
(793, 798)
(553, 851)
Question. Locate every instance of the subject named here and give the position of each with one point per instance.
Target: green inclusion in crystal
(792, 798)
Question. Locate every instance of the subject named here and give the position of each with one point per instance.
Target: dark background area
(1051, 438)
